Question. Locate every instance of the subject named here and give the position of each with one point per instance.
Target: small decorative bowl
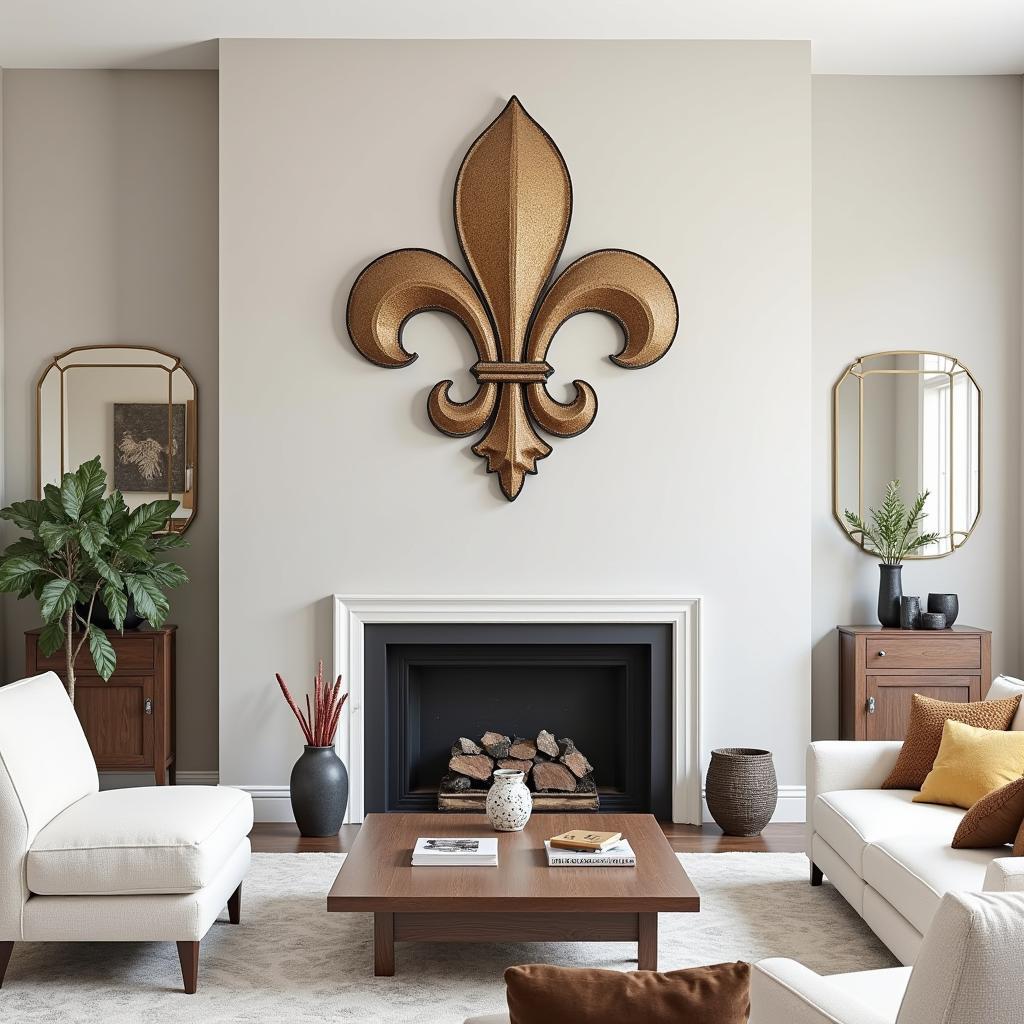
(933, 620)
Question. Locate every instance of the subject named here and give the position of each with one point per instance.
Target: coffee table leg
(383, 945)
(647, 942)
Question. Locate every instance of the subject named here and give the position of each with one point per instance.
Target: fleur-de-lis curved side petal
(513, 204)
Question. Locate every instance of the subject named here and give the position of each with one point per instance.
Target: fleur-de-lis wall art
(513, 203)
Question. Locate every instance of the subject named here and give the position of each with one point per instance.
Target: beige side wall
(110, 203)
(694, 479)
(917, 244)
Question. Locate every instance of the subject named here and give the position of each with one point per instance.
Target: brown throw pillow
(924, 733)
(1018, 843)
(538, 994)
(994, 820)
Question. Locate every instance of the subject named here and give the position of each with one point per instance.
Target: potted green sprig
(894, 534)
(85, 545)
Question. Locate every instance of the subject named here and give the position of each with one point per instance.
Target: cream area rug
(289, 960)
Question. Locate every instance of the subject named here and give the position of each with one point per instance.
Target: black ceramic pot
(947, 604)
(910, 613)
(319, 790)
(890, 590)
(101, 617)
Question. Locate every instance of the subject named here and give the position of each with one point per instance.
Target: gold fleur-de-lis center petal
(513, 204)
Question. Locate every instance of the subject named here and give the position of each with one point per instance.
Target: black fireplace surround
(608, 686)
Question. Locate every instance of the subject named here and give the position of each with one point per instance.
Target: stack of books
(583, 848)
(457, 852)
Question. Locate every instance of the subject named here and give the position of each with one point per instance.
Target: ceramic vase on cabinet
(509, 804)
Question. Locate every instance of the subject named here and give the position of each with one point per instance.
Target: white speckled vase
(509, 804)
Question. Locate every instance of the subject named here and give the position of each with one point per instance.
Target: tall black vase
(319, 791)
(890, 590)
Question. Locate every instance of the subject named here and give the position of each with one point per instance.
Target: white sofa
(889, 857)
(151, 864)
(967, 973)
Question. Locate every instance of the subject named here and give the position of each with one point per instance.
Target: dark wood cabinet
(128, 719)
(881, 669)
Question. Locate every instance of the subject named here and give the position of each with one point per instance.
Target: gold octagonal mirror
(915, 417)
(133, 406)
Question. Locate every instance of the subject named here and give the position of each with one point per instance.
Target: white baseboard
(791, 806)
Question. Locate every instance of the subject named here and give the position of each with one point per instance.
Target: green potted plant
(84, 546)
(894, 534)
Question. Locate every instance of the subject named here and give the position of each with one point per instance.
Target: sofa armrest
(846, 764)
(786, 992)
(1005, 874)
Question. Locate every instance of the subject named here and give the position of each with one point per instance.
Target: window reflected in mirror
(915, 417)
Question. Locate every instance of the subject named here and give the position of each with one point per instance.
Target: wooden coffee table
(522, 899)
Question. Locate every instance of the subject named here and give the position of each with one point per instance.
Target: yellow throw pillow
(971, 763)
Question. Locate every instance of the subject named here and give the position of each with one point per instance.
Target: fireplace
(619, 675)
(608, 686)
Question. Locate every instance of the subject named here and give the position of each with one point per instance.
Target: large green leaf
(56, 598)
(26, 515)
(135, 548)
(149, 599)
(93, 482)
(51, 639)
(56, 535)
(103, 656)
(71, 496)
(17, 573)
(150, 517)
(167, 574)
(107, 572)
(26, 546)
(92, 536)
(117, 604)
(111, 508)
(53, 503)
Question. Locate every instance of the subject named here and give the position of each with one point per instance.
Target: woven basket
(742, 790)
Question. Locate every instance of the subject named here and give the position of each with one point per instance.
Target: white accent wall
(695, 477)
(917, 245)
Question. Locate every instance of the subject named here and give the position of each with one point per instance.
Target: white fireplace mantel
(353, 612)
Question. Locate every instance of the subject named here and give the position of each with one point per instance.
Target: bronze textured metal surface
(513, 204)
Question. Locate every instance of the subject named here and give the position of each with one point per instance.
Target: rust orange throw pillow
(538, 994)
(924, 733)
(994, 820)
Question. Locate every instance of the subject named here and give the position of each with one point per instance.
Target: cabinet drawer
(134, 654)
(922, 652)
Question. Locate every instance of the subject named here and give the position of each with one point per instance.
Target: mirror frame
(856, 369)
(58, 363)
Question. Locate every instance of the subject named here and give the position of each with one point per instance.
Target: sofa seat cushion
(162, 839)
(914, 872)
(848, 820)
(882, 990)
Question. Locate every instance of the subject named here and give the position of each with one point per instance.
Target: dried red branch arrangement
(319, 723)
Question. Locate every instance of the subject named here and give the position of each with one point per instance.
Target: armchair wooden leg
(6, 949)
(816, 875)
(235, 905)
(188, 954)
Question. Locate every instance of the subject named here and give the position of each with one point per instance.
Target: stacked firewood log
(550, 765)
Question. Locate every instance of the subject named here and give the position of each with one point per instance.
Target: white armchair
(129, 865)
(967, 972)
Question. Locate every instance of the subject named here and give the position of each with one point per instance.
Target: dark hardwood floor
(269, 837)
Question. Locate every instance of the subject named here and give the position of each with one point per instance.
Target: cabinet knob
(149, 706)
(871, 705)
(881, 654)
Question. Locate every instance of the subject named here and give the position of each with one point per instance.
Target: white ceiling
(858, 37)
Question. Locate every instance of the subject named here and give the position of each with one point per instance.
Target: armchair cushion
(164, 839)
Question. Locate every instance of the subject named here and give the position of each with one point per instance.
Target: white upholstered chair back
(45, 766)
(968, 969)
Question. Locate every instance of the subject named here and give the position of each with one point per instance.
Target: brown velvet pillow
(994, 820)
(924, 733)
(538, 994)
(1018, 843)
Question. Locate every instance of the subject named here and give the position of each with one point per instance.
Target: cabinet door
(117, 718)
(888, 717)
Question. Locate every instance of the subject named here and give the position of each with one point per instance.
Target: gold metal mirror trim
(856, 369)
(191, 414)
